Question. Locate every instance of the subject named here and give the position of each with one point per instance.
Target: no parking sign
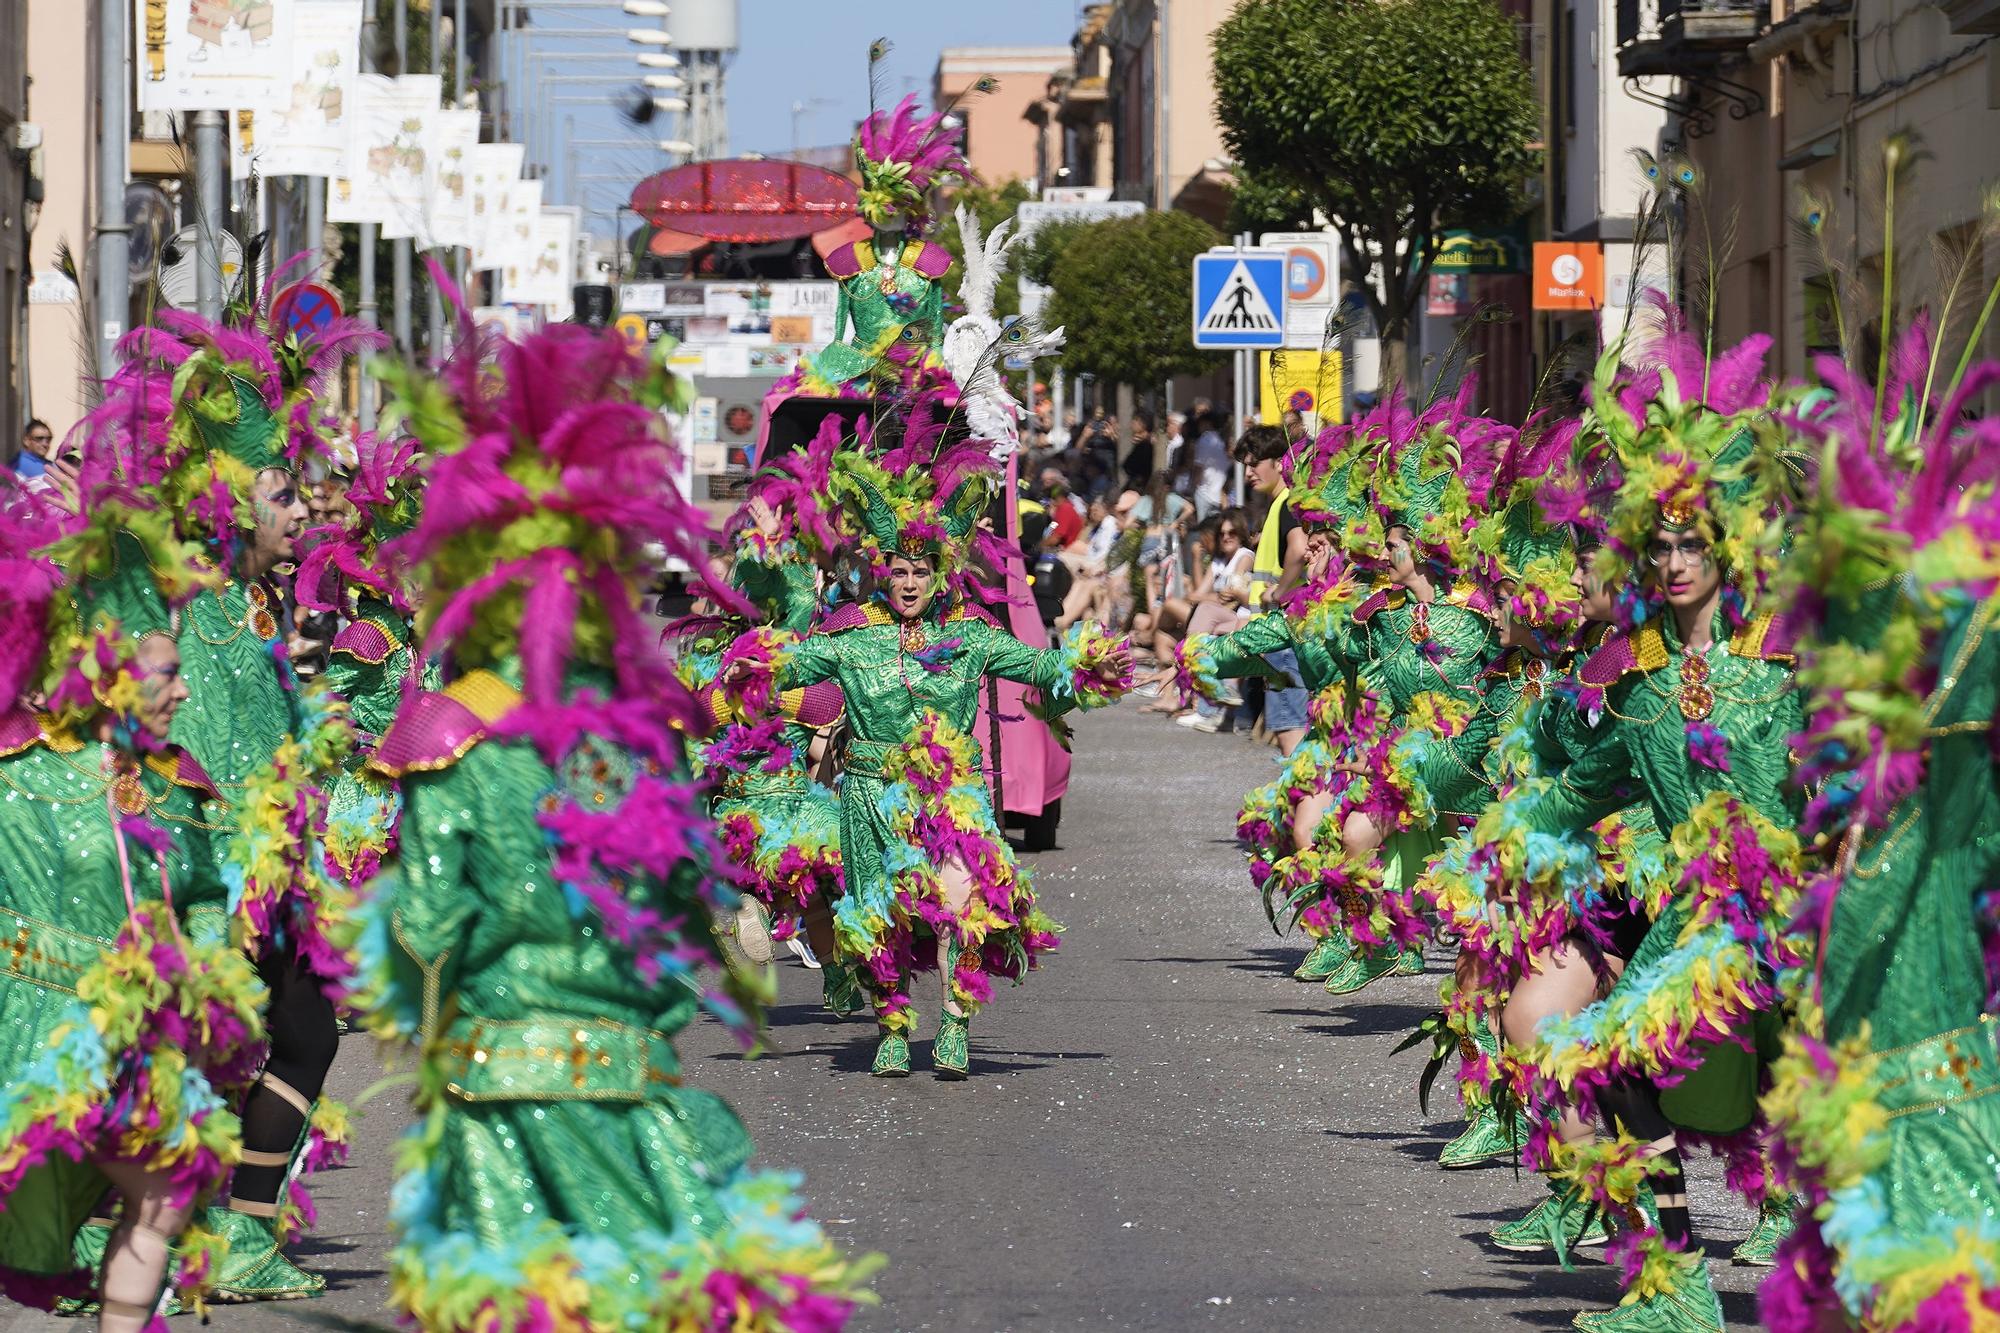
(306, 309)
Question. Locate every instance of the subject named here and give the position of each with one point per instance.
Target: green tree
(1397, 119)
(1123, 290)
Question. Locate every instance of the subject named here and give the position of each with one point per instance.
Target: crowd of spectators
(1142, 535)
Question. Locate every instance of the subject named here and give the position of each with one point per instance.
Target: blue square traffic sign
(1239, 299)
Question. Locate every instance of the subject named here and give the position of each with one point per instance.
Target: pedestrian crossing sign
(1239, 299)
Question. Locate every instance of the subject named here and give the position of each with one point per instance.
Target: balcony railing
(1682, 36)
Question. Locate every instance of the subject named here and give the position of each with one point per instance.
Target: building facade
(1776, 102)
(1002, 140)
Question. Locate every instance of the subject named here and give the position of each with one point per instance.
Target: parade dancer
(372, 658)
(1701, 709)
(1884, 1102)
(930, 882)
(780, 827)
(541, 938)
(1414, 746)
(1282, 817)
(132, 1022)
(238, 405)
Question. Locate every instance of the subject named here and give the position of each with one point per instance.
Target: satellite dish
(178, 280)
(150, 215)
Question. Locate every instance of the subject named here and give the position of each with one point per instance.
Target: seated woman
(1213, 605)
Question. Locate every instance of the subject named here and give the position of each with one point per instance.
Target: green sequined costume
(76, 959)
(912, 792)
(1895, 1108)
(238, 711)
(562, 1170)
(367, 665)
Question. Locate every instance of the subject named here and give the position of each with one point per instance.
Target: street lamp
(646, 9)
(649, 36)
(658, 59)
(667, 81)
(671, 103)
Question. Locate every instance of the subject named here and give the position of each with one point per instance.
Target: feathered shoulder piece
(1326, 489)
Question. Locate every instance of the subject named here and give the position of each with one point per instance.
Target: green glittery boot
(87, 1250)
(1562, 1222)
(840, 988)
(1326, 958)
(892, 1057)
(255, 1269)
(1364, 969)
(1485, 1138)
(1691, 1306)
(1760, 1248)
(951, 1053)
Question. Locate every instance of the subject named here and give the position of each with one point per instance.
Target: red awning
(741, 199)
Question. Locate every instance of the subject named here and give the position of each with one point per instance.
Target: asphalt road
(1162, 1130)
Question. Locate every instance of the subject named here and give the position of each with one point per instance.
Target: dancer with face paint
(930, 882)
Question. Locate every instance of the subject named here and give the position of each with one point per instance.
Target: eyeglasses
(1695, 551)
(40, 437)
(1230, 532)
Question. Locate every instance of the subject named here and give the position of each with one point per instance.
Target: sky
(806, 50)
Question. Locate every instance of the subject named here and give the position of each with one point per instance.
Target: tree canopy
(1397, 119)
(1123, 290)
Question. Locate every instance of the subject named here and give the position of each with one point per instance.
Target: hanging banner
(453, 137)
(387, 154)
(247, 146)
(307, 136)
(550, 269)
(514, 241)
(211, 55)
(495, 168)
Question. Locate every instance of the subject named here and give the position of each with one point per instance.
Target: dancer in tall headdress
(1700, 704)
(372, 661)
(779, 824)
(1887, 1101)
(237, 402)
(542, 937)
(1413, 745)
(132, 1021)
(930, 882)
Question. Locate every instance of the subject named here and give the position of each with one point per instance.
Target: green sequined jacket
(238, 711)
(1742, 688)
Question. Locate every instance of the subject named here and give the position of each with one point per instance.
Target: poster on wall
(388, 154)
(307, 135)
(547, 269)
(495, 170)
(448, 211)
(213, 55)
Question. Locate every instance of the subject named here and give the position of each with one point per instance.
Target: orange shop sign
(1569, 275)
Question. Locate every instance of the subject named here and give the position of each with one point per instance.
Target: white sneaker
(797, 944)
(1198, 722)
(1229, 698)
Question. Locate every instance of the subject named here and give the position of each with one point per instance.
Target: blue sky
(803, 50)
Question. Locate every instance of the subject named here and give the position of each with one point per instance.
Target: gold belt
(585, 1059)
